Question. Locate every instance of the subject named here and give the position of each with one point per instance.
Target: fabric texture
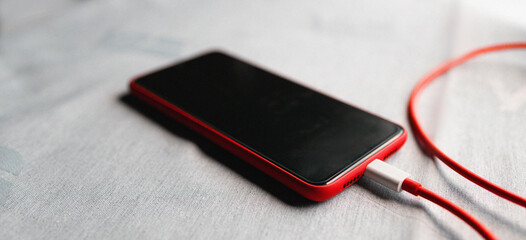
(80, 158)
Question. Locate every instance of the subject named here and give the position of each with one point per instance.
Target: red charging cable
(432, 149)
(416, 189)
(398, 180)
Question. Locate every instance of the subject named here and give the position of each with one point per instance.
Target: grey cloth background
(79, 158)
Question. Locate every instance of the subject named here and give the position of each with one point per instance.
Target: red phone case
(313, 192)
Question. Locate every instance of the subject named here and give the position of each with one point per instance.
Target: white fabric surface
(80, 159)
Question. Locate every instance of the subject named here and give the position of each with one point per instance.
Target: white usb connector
(386, 174)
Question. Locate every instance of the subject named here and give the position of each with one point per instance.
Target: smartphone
(310, 142)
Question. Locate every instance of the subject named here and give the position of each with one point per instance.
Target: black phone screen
(311, 135)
